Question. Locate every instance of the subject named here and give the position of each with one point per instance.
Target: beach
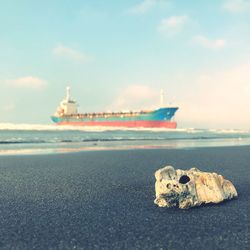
(105, 200)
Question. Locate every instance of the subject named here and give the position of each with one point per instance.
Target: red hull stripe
(128, 124)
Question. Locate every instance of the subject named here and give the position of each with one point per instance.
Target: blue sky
(119, 54)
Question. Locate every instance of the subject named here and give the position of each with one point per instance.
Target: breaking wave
(28, 138)
(54, 127)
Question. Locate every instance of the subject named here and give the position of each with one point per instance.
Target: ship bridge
(67, 105)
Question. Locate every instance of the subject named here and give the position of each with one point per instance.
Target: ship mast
(162, 95)
(67, 94)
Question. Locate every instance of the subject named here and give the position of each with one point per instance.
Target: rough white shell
(189, 188)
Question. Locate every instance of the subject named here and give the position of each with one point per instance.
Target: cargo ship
(67, 114)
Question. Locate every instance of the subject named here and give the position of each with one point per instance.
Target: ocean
(43, 139)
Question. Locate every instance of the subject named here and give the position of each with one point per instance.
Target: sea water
(36, 139)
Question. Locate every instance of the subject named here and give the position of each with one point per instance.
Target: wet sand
(104, 200)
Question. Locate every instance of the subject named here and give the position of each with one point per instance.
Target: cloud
(218, 100)
(210, 44)
(136, 97)
(8, 107)
(172, 25)
(236, 6)
(68, 53)
(28, 82)
(142, 7)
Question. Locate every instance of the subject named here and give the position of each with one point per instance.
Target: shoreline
(104, 200)
(66, 148)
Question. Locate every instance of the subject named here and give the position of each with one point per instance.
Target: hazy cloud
(8, 107)
(28, 82)
(172, 25)
(208, 43)
(236, 6)
(72, 54)
(136, 96)
(220, 99)
(147, 5)
(142, 7)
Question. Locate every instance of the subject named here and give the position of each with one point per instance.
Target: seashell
(190, 188)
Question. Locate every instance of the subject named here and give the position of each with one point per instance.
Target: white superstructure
(67, 105)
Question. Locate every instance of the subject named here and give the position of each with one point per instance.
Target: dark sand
(104, 200)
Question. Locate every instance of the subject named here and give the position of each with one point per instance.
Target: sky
(118, 55)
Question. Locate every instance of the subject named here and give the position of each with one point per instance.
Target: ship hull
(160, 118)
(126, 124)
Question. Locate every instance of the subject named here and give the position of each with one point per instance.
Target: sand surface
(104, 200)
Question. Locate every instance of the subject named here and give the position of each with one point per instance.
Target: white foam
(54, 127)
(229, 131)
